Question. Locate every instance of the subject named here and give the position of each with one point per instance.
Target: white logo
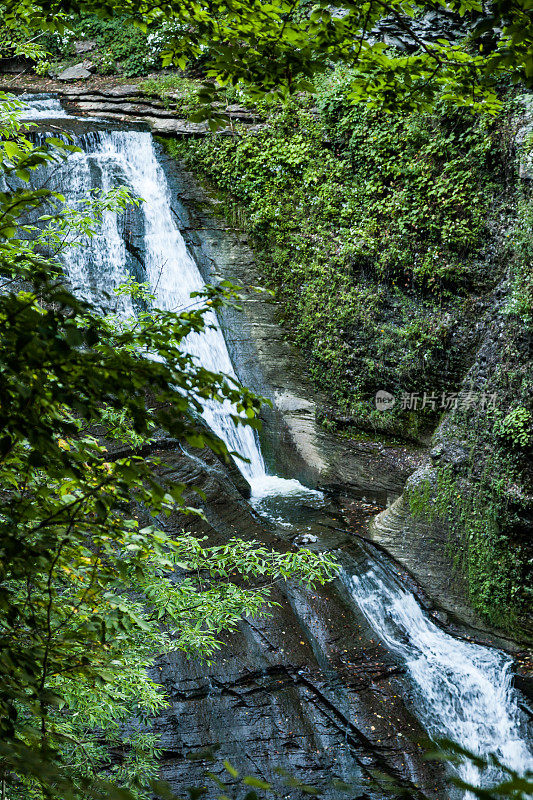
(384, 400)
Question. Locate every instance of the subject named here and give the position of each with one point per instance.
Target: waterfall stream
(42, 106)
(461, 690)
(98, 267)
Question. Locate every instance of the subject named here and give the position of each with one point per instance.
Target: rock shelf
(127, 103)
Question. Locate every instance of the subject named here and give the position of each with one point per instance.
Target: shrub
(516, 428)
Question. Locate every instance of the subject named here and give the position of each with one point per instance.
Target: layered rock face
(307, 689)
(297, 445)
(126, 103)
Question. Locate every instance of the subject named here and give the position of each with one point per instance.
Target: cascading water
(42, 106)
(463, 691)
(127, 157)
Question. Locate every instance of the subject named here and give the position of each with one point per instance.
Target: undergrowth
(372, 229)
(119, 46)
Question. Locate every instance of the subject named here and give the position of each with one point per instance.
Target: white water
(128, 157)
(463, 691)
(41, 106)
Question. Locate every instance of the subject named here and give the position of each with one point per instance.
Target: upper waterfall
(42, 106)
(149, 245)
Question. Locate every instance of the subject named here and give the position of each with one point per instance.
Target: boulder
(75, 73)
(84, 46)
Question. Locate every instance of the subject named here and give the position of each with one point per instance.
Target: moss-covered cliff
(399, 247)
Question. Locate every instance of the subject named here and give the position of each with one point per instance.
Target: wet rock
(127, 104)
(177, 127)
(294, 442)
(128, 109)
(426, 548)
(437, 452)
(423, 548)
(75, 73)
(306, 538)
(306, 690)
(452, 453)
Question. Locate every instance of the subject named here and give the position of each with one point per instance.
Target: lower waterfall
(461, 690)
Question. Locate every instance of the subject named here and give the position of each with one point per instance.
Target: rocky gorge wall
(400, 253)
(292, 438)
(294, 442)
(105, 98)
(308, 689)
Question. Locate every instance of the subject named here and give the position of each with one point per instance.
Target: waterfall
(42, 106)
(169, 269)
(127, 157)
(462, 690)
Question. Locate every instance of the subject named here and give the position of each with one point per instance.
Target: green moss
(370, 229)
(520, 256)
(482, 523)
(488, 501)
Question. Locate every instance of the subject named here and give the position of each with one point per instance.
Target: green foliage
(516, 427)
(176, 91)
(92, 589)
(281, 48)
(120, 45)
(17, 38)
(64, 370)
(370, 226)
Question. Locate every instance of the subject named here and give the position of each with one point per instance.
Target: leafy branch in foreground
(280, 47)
(89, 595)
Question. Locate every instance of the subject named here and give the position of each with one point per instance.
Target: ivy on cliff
(372, 229)
(381, 235)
